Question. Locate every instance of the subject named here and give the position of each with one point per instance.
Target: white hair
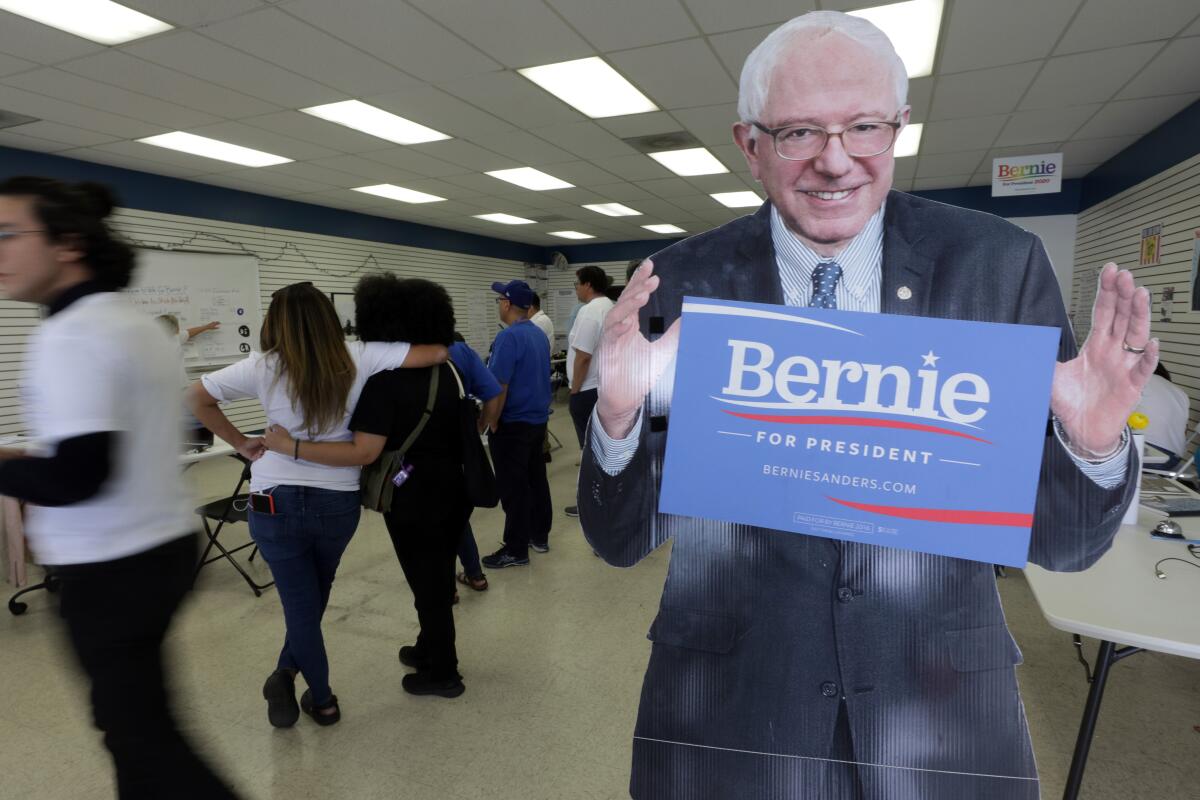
(761, 63)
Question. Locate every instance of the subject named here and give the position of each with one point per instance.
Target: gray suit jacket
(760, 634)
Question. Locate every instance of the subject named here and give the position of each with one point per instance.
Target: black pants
(117, 613)
(521, 478)
(426, 522)
(580, 406)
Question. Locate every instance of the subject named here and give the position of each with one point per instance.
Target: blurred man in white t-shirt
(583, 342)
(1166, 405)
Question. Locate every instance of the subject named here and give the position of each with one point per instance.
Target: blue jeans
(468, 553)
(303, 542)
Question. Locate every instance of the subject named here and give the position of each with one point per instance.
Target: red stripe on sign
(952, 515)
(865, 422)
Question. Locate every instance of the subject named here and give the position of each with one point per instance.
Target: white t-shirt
(258, 376)
(100, 365)
(585, 337)
(546, 324)
(1167, 407)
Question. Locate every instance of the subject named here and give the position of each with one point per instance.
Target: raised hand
(629, 363)
(1093, 394)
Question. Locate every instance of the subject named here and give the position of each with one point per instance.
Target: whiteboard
(197, 288)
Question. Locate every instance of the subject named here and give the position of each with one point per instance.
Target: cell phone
(262, 503)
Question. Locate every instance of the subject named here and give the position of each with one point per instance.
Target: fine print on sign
(1027, 175)
(910, 432)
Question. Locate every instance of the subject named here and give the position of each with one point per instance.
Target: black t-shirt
(391, 404)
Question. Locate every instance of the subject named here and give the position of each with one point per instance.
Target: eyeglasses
(861, 140)
(6, 235)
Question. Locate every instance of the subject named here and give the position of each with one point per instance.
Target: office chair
(222, 511)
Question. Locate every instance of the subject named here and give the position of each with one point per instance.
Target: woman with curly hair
(430, 509)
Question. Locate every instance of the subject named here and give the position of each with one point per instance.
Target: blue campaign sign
(911, 432)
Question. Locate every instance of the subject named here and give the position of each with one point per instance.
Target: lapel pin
(904, 293)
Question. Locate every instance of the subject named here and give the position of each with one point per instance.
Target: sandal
(479, 584)
(316, 712)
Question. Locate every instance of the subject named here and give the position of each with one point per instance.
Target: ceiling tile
(483, 184)
(583, 173)
(950, 182)
(668, 187)
(984, 33)
(288, 42)
(715, 16)
(147, 158)
(318, 131)
(733, 47)
(513, 98)
(466, 154)
(10, 138)
(1021, 150)
(1047, 125)
(585, 140)
(1087, 77)
(955, 135)
(121, 69)
(903, 169)
(517, 33)
(632, 125)
(65, 134)
(212, 61)
(369, 172)
(677, 75)
(12, 64)
(981, 179)
(1194, 30)
(1134, 117)
(1095, 151)
(414, 161)
(607, 25)
(920, 94)
(1176, 70)
(247, 135)
(634, 168)
(527, 149)
(903, 185)
(939, 166)
(189, 12)
(278, 178)
(43, 107)
(318, 174)
(65, 86)
(441, 111)
(708, 184)
(712, 125)
(33, 41)
(986, 91)
(1108, 23)
(731, 156)
(623, 192)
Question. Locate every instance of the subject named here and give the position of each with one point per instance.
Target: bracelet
(1089, 456)
(296, 451)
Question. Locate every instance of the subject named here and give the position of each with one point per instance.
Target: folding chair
(1181, 467)
(225, 510)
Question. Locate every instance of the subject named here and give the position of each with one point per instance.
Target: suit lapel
(758, 280)
(907, 277)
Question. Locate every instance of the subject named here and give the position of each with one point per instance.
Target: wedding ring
(1125, 346)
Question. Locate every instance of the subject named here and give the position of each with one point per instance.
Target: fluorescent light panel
(664, 228)
(530, 178)
(591, 86)
(613, 210)
(393, 192)
(505, 219)
(693, 161)
(98, 20)
(913, 28)
(909, 141)
(375, 121)
(572, 235)
(737, 199)
(214, 148)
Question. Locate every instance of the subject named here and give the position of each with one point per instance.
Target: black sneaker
(503, 558)
(571, 511)
(422, 683)
(280, 693)
(539, 548)
(411, 657)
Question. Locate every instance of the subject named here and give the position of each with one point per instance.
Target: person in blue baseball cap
(520, 361)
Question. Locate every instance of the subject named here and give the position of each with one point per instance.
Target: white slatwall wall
(333, 264)
(1111, 231)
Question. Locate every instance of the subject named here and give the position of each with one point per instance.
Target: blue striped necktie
(825, 278)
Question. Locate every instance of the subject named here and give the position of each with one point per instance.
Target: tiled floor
(552, 656)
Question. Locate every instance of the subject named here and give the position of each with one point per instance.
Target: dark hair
(614, 293)
(74, 214)
(303, 331)
(1161, 371)
(595, 277)
(536, 302)
(631, 267)
(392, 309)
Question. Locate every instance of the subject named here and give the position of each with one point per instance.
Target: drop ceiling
(1087, 77)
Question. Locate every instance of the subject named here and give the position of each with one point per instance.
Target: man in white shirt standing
(1166, 405)
(583, 342)
(541, 319)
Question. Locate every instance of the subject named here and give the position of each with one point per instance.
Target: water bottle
(402, 474)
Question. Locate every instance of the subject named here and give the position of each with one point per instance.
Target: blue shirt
(478, 382)
(521, 359)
